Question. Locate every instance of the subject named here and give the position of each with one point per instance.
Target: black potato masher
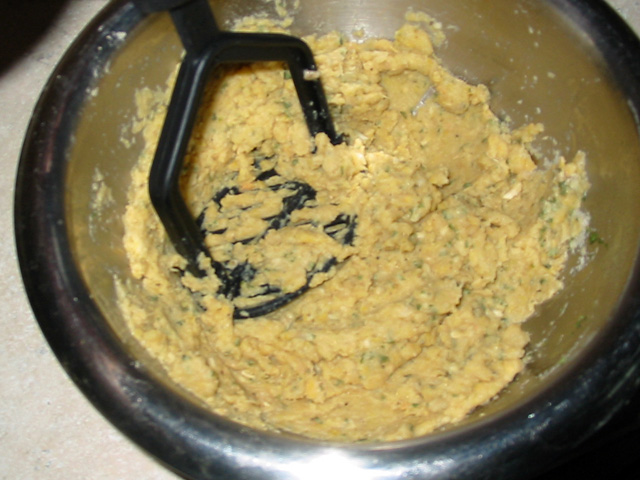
(207, 47)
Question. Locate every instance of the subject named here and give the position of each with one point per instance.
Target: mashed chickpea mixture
(460, 233)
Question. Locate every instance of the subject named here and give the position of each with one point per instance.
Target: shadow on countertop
(22, 24)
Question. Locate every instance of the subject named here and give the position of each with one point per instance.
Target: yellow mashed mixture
(460, 234)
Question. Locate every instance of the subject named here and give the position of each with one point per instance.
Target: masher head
(207, 47)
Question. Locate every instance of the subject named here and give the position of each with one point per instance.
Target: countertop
(48, 430)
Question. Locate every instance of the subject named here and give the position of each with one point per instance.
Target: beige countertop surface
(48, 430)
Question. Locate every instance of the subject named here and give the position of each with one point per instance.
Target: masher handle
(193, 20)
(151, 6)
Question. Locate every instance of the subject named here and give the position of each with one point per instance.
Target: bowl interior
(540, 63)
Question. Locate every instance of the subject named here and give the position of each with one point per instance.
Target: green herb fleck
(595, 238)
(564, 188)
(581, 320)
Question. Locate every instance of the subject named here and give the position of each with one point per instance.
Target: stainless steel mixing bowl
(571, 64)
